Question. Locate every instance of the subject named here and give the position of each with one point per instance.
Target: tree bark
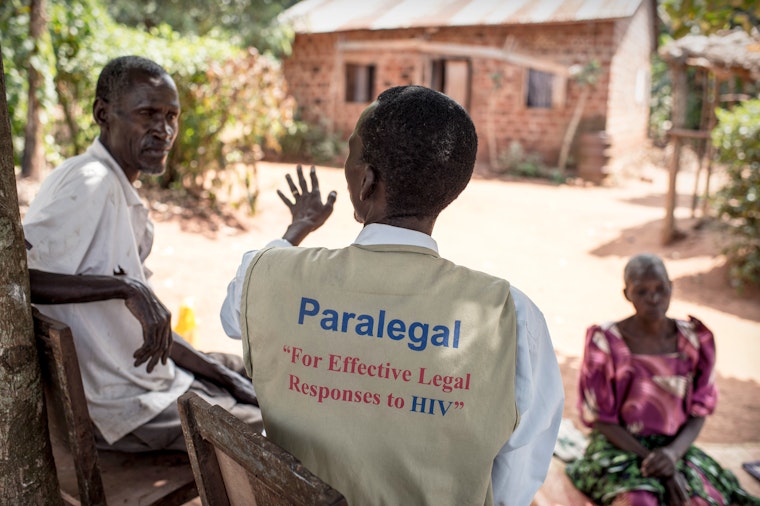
(33, 159)
(572, 127)
(27, 472)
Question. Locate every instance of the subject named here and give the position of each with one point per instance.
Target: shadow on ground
(658, 200)
(700, 239)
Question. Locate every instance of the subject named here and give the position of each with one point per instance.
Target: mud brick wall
(618, 103)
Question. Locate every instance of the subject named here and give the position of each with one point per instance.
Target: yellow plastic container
(186, 321)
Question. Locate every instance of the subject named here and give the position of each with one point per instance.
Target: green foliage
(19, 51)
(244, 23)
(661, 101)
(79, 53)
(231, 111)
(709, 16)
(312, 143)
(515, 161)
(588, 74)
(234, 102)
(14, 25)
(737, 138)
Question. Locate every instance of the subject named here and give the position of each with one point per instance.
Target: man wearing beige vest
(395, 375)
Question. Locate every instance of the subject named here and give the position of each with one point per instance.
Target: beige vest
(387, 370)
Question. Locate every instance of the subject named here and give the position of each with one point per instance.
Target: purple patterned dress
(652, 396)
(648, 394)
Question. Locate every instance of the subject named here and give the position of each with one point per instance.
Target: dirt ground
(565, 246)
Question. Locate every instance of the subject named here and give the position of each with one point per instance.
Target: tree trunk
(572, 127)
(33, 159)
(27, 472)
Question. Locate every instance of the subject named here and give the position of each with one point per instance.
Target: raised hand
(306, 207)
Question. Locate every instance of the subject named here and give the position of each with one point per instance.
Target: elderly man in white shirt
(88, 234)
(520, 466)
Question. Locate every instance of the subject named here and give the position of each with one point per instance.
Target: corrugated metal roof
(319, 16)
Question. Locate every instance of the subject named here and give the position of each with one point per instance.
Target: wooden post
(677, 135)
(678, 118)
(715, 95)
(668, 229)
(704, 114)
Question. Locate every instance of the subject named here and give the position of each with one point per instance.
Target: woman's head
(647, 286)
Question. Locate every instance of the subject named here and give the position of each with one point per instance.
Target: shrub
(304, 142)
(234, 101)
(18, 53)
(515, 161)
(737, 139)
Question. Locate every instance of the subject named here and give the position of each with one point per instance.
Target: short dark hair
(117, 75)
(422, 144)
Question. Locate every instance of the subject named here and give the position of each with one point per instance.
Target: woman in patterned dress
(646, 386)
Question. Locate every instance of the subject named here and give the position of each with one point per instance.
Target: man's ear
(369, 180)
(100, 112)
(625, 294)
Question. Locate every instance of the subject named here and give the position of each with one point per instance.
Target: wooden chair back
(88, 476)
(234, 465)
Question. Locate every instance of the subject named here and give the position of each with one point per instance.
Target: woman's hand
(677, 490)
(660, 462)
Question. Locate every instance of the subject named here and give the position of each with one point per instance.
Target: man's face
(140, 127)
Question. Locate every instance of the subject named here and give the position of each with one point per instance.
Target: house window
(360, 83)
(539, 89)
(452, 77)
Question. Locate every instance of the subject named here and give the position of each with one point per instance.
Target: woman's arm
(621, 438)
(662, 461)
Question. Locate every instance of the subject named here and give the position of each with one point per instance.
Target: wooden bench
(234, 465)
(88, 476)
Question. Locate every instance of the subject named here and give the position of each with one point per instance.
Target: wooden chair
(88, 476)
(234, 465)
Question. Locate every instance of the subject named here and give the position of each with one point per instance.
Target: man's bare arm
(155, 318)
(205, 366)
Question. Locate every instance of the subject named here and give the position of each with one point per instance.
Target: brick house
(509, 62)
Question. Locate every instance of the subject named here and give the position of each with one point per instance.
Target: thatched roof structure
(722, 55)
(726, 53)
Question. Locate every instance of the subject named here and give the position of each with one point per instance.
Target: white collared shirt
(88, 219)
(521, 466)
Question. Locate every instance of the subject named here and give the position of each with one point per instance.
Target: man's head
(420, 144)
(137, 108)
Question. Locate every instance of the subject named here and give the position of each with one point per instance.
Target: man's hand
(56, 288)
(214, 367)
(156, 324)
(240, 388)
(307, 209)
